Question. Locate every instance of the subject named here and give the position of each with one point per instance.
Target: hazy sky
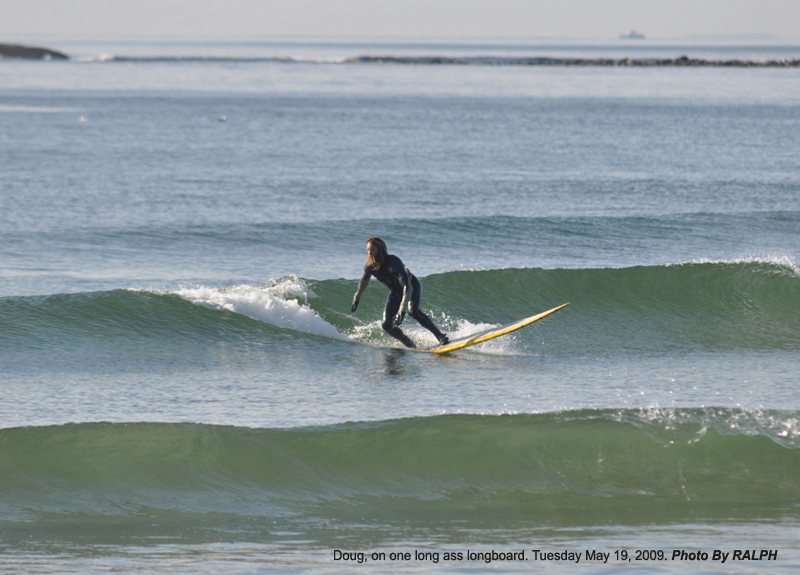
(399, 18)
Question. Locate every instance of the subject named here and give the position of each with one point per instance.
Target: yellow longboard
(491, 333)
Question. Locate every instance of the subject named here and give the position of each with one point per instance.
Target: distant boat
(632, 35)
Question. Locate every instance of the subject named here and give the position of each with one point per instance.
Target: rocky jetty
(685, 61)
(14, 51)
(680, 62)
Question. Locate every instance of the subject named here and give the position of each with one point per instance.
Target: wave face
(114, 483)
(722, 306)
(714, 306)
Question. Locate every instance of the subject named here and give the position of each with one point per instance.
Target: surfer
(405, 292)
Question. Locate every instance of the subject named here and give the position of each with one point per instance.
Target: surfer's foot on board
(443, 339)
(403, 338)
(408, 343)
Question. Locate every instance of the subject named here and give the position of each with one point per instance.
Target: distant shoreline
(16, 51)
(681, 62)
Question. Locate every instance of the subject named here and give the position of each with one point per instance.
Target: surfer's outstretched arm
(362, 286)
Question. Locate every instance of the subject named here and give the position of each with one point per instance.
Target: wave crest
(276, 304)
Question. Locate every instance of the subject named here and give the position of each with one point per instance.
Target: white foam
(274, 304)
(783, 261)
(781, 427)
(33, 109)
(94, 58)
(373, 333)
(504, 345)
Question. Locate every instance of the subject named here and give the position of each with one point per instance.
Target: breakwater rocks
(686, 61)
(683, 61)
(14, 51)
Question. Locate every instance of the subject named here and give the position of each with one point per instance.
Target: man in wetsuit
(405, 292)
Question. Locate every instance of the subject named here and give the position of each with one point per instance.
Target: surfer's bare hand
(354, 306)
(398, 319)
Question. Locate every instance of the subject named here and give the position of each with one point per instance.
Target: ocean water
(184, 390)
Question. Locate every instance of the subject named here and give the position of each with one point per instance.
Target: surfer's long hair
(383, 252)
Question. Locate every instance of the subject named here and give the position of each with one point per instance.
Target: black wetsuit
(396, 276)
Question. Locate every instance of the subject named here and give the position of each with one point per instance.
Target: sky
(496, 19)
